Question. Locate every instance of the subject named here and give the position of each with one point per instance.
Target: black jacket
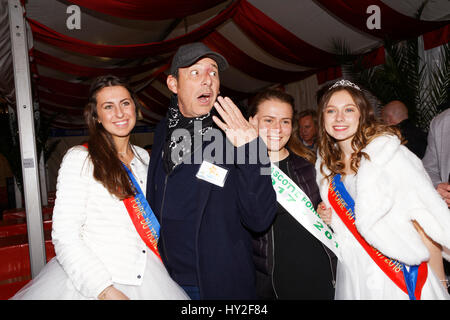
(221, 216)
(303, 174)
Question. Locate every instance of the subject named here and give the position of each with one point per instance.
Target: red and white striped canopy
(266, 42)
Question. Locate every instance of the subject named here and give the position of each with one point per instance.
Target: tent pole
(25, 119)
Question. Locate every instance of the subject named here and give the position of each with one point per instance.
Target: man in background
(395, 113)
(437, 160)
(437, 156)
(307, 128)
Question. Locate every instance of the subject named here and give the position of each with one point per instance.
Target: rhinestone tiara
(344, 83)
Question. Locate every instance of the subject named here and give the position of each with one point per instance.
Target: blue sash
(142, 215)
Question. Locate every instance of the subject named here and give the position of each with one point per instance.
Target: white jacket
(95, 240)
(392, 189)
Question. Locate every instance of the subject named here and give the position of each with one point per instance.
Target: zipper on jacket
(162, 240)
(161, 216)
(333, 277)
(273, 265)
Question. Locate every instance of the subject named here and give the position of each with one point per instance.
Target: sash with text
(297, 203)
(410, 280)
(143, 218)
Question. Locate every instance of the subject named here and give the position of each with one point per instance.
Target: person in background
(395, 113)
(437, 156)
(291, 262)
(437, 159)
(391, 224)
(206, 201)
(307, 128)
(103, 250)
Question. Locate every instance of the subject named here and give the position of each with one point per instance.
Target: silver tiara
(344, 83)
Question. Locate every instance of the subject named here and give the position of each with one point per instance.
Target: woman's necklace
(126, 156)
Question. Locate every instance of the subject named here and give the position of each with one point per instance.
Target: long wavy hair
(294, 144)
(108, 169)
(369, 127)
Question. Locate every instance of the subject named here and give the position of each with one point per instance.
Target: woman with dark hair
(104, 231)
(391, 225)
(291, 263)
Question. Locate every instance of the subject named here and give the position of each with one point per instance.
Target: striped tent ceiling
(266, 42)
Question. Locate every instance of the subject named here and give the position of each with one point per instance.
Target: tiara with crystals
(344, 83)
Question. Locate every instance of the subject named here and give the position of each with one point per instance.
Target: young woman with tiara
(391, 224)
(101, 220)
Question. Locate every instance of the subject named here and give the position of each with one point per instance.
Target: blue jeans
(192, 291)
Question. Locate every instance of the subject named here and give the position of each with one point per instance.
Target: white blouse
(95, 240)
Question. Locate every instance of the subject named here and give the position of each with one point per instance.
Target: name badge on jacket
(212, 173)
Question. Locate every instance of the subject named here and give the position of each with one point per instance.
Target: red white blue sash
(142, 215)
(410, 281)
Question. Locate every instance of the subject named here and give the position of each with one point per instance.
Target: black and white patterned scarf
(177, 147)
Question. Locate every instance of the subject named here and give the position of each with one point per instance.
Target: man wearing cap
(204, 195)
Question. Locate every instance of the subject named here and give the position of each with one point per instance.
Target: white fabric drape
(6, 66)
(6, 59)
(304, 93)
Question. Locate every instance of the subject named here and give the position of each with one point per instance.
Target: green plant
(404, 76)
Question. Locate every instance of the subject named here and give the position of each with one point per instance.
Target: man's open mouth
(204, 98)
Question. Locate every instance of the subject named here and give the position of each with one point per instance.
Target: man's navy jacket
(219, 216)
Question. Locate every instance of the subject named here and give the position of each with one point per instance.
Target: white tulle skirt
(52, 283)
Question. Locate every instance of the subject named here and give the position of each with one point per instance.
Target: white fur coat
(392, 189)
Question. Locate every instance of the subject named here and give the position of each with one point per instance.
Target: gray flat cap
(188, 54)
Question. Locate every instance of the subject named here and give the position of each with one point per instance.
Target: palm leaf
(404, 76)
